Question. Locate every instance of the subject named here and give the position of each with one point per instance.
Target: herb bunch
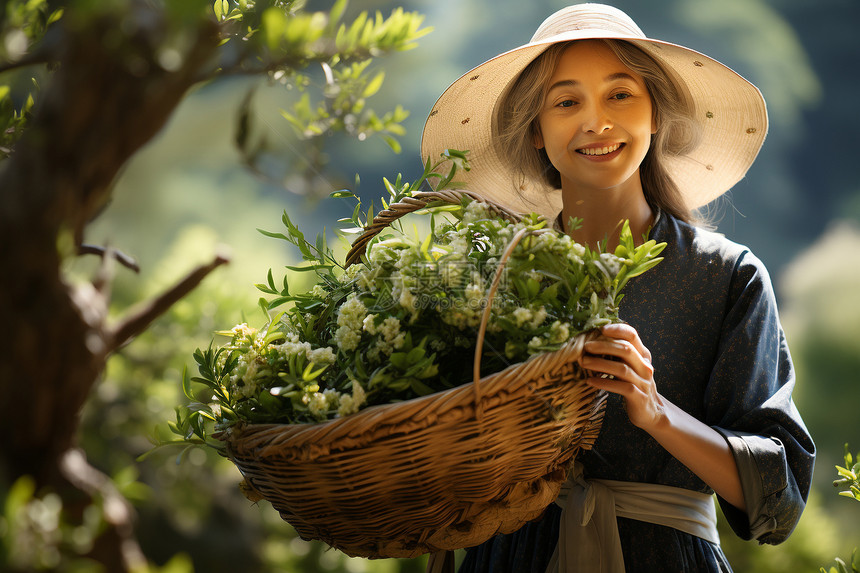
(402, 323)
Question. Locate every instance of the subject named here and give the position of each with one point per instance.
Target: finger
(623, 331)
(619, 370)
(623, 351)
(614, 385)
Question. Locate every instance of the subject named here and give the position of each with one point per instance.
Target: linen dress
(708, 315)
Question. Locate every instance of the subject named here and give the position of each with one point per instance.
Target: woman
(593, 120)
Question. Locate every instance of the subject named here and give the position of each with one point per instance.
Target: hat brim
(730, 110)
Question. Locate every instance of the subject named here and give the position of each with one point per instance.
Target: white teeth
(599, 150)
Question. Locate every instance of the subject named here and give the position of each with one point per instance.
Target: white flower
(318, 404)
(369, 324)
(559, 332)
(346, 406)
(407, 300)
(367, 278)
(451, 272)
(351, 404)
(522, 315)
(405, 258)
(351, 313)
(535, 344)
(244, 330)
(350, 319)
(474, 295)
(351, 272)
(347, 338)
(546, 241)
(389, 339)
(358, 393)
(475, 211)
(319, 291)
(378, 255)
(332, 397)
(538, 318)
(390, 328)
(609, 264)
(292, 347)
(321, 355)
(244, 380)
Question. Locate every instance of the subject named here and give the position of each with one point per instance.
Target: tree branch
(140, 318)
(119, 256)
(117, 547)
(45, 52)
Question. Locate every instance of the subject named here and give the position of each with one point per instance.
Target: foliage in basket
(401, 323)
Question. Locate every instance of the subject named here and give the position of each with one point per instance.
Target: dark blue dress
(708, 315)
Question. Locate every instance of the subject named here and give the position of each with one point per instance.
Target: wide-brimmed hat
(730, 110)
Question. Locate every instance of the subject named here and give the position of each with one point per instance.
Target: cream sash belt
(588, 533)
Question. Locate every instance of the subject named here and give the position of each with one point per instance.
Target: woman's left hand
(630, 372)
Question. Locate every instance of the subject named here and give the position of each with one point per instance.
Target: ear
(537, 138)
(654, 122)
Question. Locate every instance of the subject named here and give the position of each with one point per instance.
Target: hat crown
(588, 17)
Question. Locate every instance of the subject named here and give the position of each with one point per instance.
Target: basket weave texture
(440, 472)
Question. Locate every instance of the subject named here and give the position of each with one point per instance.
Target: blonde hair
(516, 126)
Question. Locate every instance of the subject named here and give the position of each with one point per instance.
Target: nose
(595, 118)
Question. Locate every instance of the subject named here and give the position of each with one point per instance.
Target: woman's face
(596, 121)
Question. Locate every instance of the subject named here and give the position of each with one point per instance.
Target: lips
(597, 151)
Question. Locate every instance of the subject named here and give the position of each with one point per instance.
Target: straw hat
(730, 110)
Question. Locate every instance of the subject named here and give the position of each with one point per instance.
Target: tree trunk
(107, 97)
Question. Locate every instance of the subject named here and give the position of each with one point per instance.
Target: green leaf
(846, 473)
(276, 302)
(186, 384)
(310, 374)
(420, 388)
(274, 25)
(336, 13)
(374, 85)
(20, 494)
(308, 268)
(393, 143)
(273, 235)
(220, 7)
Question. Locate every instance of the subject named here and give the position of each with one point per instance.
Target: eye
(566, 103)
(621, 96)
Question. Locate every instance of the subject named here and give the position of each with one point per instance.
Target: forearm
(702, 449)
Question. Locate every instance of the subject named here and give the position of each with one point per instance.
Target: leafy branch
(849, 484)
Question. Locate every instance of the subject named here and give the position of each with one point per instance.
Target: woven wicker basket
(441, 472)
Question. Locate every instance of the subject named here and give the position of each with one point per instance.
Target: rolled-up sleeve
(749, 402)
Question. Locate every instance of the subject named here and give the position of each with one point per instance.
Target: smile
(597, 151)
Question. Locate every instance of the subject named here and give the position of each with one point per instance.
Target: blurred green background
(187, 194)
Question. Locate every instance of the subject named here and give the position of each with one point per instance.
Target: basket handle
(418, 201)
(485, 317)
(413, 203)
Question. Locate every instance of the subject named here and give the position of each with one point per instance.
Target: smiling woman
(592, 120)
(673, 113)
(595, 126)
